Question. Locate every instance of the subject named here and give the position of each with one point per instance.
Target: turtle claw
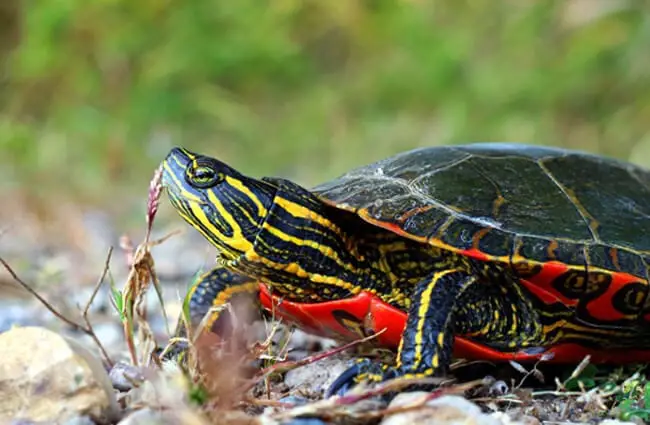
(363, 370)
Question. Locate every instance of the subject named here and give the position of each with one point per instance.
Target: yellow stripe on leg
(423, 308)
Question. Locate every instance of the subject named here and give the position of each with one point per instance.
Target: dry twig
(87, 327)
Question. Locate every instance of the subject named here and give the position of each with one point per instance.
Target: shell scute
(425, 221)
(499, 244)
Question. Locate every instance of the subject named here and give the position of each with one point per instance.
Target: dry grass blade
(153, 200)
(142, 273)
(580, 368)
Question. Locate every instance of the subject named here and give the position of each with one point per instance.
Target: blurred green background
(94, 92)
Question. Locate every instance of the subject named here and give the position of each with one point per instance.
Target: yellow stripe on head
(237, 240)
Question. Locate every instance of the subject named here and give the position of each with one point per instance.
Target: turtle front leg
(426, 345)
(212, 290)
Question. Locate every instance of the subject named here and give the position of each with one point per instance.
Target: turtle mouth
(181, 194)
(173, 170)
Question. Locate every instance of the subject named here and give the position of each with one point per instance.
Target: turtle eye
(203, 177)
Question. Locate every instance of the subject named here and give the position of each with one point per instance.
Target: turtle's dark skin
(495, 251)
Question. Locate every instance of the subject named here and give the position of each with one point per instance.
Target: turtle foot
(363, 371)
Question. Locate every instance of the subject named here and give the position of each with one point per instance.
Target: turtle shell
(574, 226)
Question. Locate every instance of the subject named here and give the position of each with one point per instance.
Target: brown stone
(45, 377)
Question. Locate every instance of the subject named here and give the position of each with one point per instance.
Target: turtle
(493, 251)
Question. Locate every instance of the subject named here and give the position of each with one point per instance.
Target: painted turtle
(483, 251)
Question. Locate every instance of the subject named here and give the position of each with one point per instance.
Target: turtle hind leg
(491, 310)
(426, 346)
(503, 316)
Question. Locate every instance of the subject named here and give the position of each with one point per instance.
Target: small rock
(445, 410)
(47, 378)
(314, 378)
(123, 375)
(498, 388)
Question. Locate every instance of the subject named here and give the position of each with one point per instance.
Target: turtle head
(227, 207)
